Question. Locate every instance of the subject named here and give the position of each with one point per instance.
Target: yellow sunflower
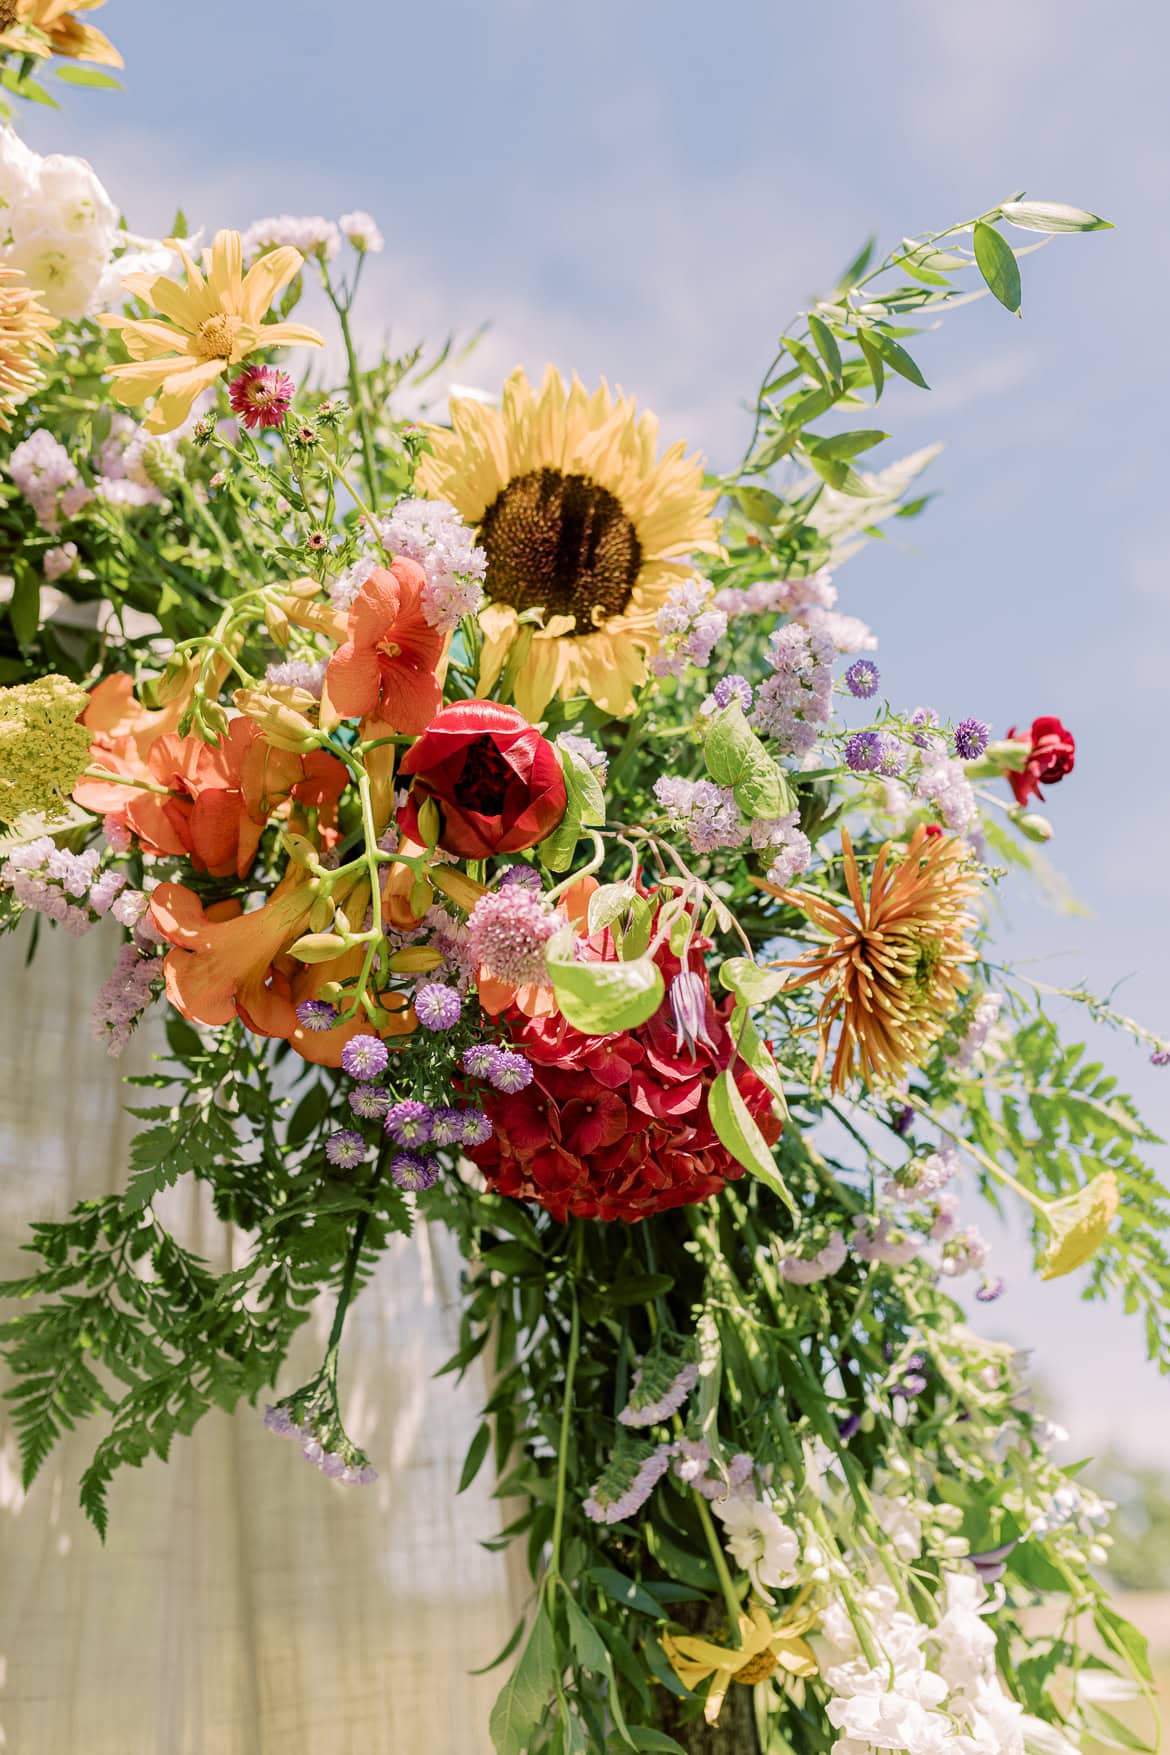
(893, 976)
(25, 327)
(50, 27)
(579, 518)
(215, 321)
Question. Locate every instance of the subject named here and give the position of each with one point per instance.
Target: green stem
(554, 1564)
(369, 467)
(345, 1292)
(1035, 1201)
(719, 1561)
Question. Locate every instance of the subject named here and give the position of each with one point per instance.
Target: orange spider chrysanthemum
(25, 327)
(52, 27)
(892, 977)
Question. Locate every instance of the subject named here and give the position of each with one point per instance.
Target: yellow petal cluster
(25, 326)
(43, 749)
(213, 322)
(764, 1647)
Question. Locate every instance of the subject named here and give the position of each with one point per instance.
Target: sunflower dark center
(483, 784)
(562, 542)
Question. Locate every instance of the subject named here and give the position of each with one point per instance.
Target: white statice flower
(760, 1542)
(362, 231)
(311, 234)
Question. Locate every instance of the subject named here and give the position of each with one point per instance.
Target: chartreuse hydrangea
(43, 749)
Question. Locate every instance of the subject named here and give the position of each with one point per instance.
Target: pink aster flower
(261, 396)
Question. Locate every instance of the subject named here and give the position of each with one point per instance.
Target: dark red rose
(1053, 755)
(497, 783)
(616, 1127)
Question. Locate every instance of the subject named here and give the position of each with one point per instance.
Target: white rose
(19, 178)
(65, 271)
(73, 201)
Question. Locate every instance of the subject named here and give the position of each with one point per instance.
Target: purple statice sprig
(311, 1420)
(627, 1481)
(660, 1386)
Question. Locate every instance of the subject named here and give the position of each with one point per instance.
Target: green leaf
(896, 357)
(751, 1048)
(755, 986)
(733, 1122)
(1052, 216)
(998, 265)
(735, 757)
(873, 360)
(840, 476)
(826, 345)
(1108, 1729)
(24, 611)
(520, 1704)
(620, 1589)
(639, 1289)
(476, 1451)
(599, 998)
(591, 1650)
(606, 903)
(512, 1259)
(73, 75)
(584, 808)
(845, 445)
(1125, 1639)
(643, 1737)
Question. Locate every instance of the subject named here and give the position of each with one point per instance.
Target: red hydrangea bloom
(1053, 755)
(498, 784)
(616, 1127)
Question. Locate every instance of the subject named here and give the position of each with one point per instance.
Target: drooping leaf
(737, 1129)
(520, 1703)
(998, 265)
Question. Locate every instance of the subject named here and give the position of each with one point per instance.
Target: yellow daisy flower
(764, 1648)
(25, 327)
(579, 518)
(215, 321)
(61, 32)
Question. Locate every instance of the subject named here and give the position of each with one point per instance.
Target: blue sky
(647, 190)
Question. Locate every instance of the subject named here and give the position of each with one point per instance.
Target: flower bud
(456, 884)
(300, 850)
(283, 726)
(276, 622)
(1036, 828)
(420, 897)
(175, 680)
(415, 960)
(317, 947)
(321, 914)
(429, 822)
(161, 465)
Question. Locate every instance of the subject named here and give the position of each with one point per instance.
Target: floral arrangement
(510, 829)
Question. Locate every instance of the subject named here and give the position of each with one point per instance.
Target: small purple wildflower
(278, 1419)
(480, 1059)
(688, 1009)
(849, 1427)
(365, 1057)
(409, 1122)
(971, 737)
(727, 690)
(346, 1149)
(316, 1014)
(412, 1172)
(1160, 1057)
(927, 718)
(862, 678)
(863, 751)
(511, 1072)
(477, 1127)
(525, 875)
(369, 1101)
(903, 1120)
(990, 1290)
(892, 756)
(447, 1127)
(436, 1006)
